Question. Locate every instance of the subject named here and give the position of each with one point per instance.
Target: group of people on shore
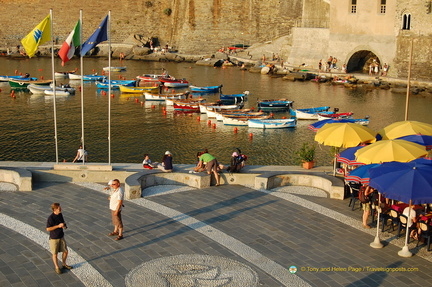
(205, 163)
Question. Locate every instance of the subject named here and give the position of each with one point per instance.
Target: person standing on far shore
(55, 226)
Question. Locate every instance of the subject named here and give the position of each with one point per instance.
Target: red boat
(174, 83)
(335, 116)
(187, 106)
(152, 78)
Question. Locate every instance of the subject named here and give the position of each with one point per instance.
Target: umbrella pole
(377, 242)
(404, 252)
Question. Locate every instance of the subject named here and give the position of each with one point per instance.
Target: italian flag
(67, 50)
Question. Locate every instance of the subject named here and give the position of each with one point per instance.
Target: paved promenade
(229, 235)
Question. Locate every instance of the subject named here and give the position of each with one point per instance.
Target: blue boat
(234, 99)
(21, 78)
(208, 89)
(274, 105)
(115, 84)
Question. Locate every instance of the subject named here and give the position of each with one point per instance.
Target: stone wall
(193, 26)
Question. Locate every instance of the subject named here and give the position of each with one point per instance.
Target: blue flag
(100, 35)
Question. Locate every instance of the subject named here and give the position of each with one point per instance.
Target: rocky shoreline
(249, 60)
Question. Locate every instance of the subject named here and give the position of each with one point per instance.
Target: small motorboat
(137, 90)
(174, 83)
(309, 113)
(40, 89)
(152, 78)
(114, 69)
(187, 106)
(234, 98)
(164, 97)
(272, 123)
(115, 84)
(208, 89)
(274, 105)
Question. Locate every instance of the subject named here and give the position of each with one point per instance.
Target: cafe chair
(426, 233)
(393, 218)
(354, 190)
(403, 220)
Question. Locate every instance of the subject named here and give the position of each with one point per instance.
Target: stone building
(364, 32)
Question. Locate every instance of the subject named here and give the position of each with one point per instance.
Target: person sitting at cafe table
(412, 213)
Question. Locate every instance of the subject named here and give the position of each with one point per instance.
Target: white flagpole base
(376, 243)
(405, 252)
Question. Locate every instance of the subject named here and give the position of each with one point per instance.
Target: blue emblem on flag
(37, 35)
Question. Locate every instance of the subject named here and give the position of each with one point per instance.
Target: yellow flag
(39, 35)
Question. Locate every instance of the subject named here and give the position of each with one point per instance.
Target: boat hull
(272, 123)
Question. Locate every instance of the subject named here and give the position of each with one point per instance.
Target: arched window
(406, 18)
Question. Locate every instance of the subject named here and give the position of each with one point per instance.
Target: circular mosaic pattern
(192, 271)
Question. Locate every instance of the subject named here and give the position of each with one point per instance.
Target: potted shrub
(306, 155)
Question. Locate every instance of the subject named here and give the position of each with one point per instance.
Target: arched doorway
(361, 60)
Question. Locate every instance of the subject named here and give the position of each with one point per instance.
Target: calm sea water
(27, 125)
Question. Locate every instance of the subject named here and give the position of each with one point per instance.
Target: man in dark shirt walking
(55, 226)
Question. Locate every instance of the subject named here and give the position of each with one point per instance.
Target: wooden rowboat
(137, 90)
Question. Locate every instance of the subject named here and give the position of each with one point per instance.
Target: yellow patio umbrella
(344, 135)
(390, 150)
(405, 128)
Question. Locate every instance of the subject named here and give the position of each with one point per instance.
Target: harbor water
(138, 127)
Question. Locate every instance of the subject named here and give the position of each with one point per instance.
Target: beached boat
(174, 83)
(114, 69)
(308, 114)
(274, 105)
(137, 90)
(40, 89)
(272, 123)
(208, 89)
(163, 97)
(23, 84)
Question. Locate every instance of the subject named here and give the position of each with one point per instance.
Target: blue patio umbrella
(347, 156)
(424, 140)
(361, 174)
(409, 182)
(423, 160)
(319, 124)
(403, 181)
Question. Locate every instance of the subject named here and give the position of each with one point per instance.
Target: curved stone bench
(333, 186)
(135, 183)
(20, 177)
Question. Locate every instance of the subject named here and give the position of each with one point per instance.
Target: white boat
(310, 113)
(114, 69)
(272, 123)
(165, 97)
(235, 121)
(58, 93)
(212, 111)
(40, 89)
(65, 74)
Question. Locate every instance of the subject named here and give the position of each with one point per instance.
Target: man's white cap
(167, 152)
(110, 182)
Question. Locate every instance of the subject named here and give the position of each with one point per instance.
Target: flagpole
(82, 88)
(54, 85)
(109, 87)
